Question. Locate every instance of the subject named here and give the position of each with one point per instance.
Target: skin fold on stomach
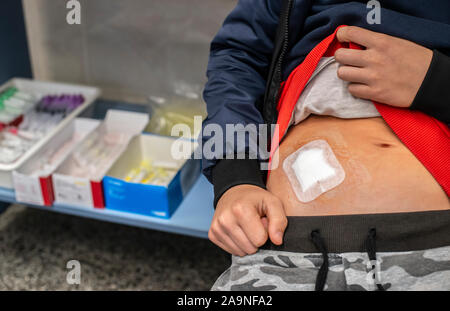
(382, 175)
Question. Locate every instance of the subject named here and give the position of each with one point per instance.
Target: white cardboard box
(87, 191)
(36, 188)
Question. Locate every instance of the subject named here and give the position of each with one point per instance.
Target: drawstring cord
(323, 271)
(321, 247)
(372, 250)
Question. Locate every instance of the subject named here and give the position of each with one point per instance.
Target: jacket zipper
(278, 68)
(269, 109)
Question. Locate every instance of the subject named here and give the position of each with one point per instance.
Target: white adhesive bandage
(312, 170)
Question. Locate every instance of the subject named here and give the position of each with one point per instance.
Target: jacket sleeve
(433, 97)
(239, 61)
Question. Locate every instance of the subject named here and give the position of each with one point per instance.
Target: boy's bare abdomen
(382, 175)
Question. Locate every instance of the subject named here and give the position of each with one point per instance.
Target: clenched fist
(245, 217)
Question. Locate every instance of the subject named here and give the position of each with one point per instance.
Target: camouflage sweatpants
(279, 270)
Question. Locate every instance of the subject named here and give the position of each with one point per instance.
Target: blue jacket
(241, 51)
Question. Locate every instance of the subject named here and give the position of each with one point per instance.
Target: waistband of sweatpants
(395, 232)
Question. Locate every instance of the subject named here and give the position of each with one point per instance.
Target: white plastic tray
(40, 88)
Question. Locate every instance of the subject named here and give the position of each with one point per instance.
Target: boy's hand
(390, 70)
(245, 216)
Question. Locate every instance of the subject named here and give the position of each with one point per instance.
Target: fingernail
(279, 236)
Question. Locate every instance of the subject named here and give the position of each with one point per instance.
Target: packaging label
(28, 189)
(73, 191)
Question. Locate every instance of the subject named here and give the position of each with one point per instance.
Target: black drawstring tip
(323, 271)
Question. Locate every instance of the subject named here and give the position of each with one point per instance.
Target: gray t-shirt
(326, 94)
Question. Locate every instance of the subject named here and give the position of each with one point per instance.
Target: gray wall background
(132, 49)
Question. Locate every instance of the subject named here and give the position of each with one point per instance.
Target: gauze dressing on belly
(312, 170)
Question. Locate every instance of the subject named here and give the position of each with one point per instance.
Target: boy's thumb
(277, 221)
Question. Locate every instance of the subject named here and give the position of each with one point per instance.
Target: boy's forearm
(229, 173)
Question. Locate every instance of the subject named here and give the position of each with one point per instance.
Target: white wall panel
(129, 48)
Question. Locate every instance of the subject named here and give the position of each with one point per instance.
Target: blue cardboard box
(149, 199)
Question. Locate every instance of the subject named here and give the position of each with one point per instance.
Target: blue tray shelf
(192, 218)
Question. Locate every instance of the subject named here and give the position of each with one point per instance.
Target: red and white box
(33, 180)
(78, 180)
